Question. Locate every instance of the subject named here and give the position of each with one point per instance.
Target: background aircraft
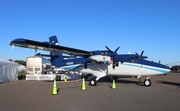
(175, 68)
(98, 63)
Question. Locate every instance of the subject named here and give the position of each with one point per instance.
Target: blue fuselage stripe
(150, 68)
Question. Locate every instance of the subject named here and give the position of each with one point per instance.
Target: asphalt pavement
(129, 95)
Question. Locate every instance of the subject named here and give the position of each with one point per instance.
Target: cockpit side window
(133, 59)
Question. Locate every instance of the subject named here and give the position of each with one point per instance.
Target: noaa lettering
(104, 58)
(69, 63)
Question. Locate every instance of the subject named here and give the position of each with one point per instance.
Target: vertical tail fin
(53, 40)
(56, 57)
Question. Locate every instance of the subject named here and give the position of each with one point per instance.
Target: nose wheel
(93, 82)
(147, 82)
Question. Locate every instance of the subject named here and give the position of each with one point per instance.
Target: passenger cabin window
(123, 59)
(103, 62)
(132, 59)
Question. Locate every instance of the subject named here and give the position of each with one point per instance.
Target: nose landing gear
(147, 82)
(93, 82)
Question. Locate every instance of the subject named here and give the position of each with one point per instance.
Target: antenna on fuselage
(159, 61)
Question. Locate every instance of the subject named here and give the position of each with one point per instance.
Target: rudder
(56, 57)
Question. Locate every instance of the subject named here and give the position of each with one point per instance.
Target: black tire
(147, 82)
(93, 82)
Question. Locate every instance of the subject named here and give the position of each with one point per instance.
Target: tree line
(22, 62)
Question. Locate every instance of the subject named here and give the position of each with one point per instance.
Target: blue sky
(134, 25)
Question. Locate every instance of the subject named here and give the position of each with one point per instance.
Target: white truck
(34, 65)
(36, 69)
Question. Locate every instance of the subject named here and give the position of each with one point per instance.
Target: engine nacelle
(101, 58)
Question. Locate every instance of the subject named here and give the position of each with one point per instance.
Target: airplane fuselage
(124, 69)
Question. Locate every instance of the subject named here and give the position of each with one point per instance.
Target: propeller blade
(141, 56)
(142, 53)
(109, 49)
(137, 53)
(117, 49)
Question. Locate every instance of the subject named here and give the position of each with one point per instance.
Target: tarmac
(129, 95)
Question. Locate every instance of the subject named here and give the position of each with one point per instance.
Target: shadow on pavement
(169, 83)
(121, 81)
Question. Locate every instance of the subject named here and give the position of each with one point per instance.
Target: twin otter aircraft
(99, 63)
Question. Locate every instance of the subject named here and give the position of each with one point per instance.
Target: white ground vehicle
(34, 65)
(35, 69)
(38, 69)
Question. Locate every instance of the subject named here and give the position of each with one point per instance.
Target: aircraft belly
(82, 70)
(99, 71)
(91, 69)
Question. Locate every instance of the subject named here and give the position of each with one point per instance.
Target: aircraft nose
(163, 69)
(167, 70)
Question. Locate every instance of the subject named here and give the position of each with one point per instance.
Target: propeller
(117, 49)
(114, 61)
(141, 53)
(111, 50)
(141, 56)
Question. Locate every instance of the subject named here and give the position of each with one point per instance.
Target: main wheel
(147, 82)
(93, 82)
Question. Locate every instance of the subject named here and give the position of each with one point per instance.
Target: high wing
(46, 46)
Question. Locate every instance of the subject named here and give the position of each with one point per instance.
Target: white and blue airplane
(99, 63)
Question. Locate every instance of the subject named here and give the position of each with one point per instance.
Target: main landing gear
(147, 82)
